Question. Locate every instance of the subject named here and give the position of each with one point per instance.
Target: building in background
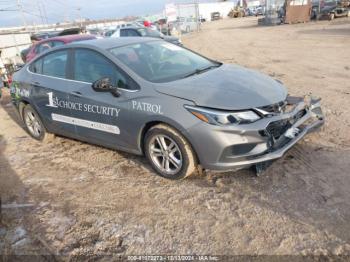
(187, 17)
(202, 10)
(11, 46)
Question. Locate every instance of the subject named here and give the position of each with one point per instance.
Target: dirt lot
(90, 200)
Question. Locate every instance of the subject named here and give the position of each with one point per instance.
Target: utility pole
(196, 6)
(44, 12)
(40, 12)
(20, 8)
(80, 17)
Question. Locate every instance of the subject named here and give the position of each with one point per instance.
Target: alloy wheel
(33, 123)
(165, 154)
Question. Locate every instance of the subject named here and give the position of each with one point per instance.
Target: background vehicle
(187, 24)
(202, 19)
(124, 25)
(145, 32)
(46, 44)
(163, 26)
(109, 33)
(329, 9)
(215, 16)
(338, 12)
(96, 32)
(259, 11)
(72, 31)
(24, 53)
(237, 12)
(255, 10)
(45, 35)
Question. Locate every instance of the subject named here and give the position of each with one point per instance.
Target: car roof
(68, 38)
(132, 27)
(108, 43)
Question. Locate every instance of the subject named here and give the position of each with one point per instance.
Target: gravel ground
(90, 200)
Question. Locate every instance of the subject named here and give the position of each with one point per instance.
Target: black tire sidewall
(185, 158)
(30, 108)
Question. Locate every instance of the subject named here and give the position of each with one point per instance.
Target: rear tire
(169, 153)
(34, 125)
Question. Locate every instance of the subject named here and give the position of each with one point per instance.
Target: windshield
(159, 61)
(149, 32)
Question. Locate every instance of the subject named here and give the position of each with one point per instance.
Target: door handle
(76, 93)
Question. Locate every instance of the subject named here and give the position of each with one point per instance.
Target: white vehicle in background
(138, 31)
(109, 33)
(187, 24)
(124, 25)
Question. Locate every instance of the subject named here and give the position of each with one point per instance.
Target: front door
(101, 117)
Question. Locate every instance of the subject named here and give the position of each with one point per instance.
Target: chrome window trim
(71, 80)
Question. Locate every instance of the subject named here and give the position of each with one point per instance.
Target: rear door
(50, 89)
(102, 118)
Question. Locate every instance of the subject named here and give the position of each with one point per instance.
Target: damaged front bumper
(265, 140)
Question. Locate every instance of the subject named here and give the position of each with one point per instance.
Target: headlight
(217, 117)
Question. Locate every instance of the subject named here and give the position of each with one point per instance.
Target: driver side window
(90, 66)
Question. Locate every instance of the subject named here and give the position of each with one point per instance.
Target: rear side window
(54, 64)
(90, 66)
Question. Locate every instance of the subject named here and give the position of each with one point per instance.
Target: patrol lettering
(147, 107)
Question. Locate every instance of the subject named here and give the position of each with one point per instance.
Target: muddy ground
(90, 200)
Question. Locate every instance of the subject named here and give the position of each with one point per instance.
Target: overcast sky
(59, 10)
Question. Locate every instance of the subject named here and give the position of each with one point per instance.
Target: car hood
(228, 87)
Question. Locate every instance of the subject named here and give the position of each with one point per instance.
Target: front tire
(169, 153)
(33, 124)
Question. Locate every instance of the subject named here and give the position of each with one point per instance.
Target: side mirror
(105, 85)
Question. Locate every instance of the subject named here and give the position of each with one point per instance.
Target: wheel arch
(21, 104)
(173, 125)
(24, 102)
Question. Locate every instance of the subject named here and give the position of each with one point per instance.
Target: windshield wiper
(202, 70)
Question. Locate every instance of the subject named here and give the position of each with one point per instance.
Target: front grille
(278, 128)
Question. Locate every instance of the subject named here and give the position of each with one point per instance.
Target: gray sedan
(154, 98)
